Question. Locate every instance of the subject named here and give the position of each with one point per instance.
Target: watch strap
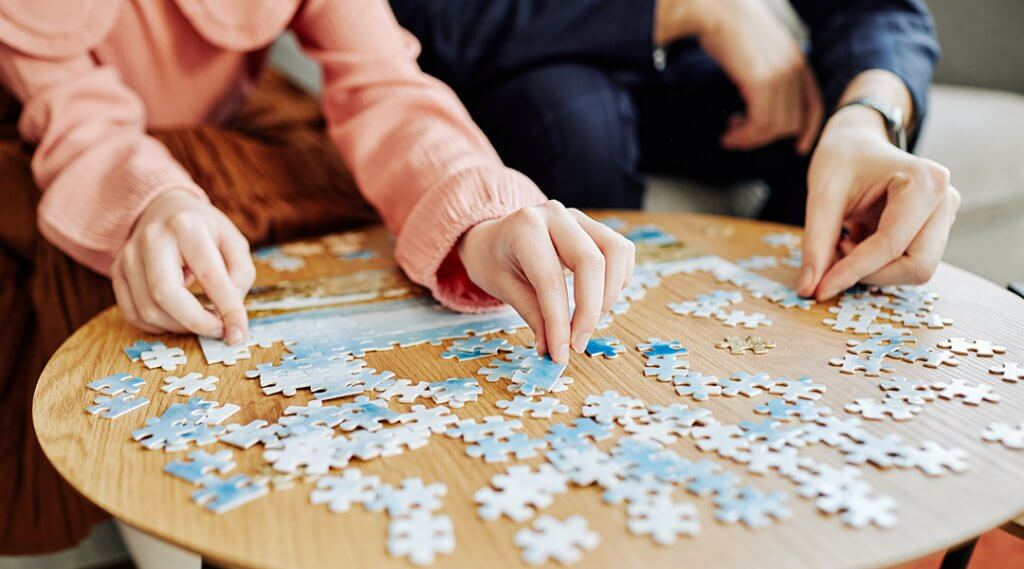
(892, 116)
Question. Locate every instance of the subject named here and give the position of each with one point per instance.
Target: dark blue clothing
(568, 93)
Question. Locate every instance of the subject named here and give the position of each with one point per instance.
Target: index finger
(166, 282)
(204, 259)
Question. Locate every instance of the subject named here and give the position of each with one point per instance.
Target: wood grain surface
(283, 529)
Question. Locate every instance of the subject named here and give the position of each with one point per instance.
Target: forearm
(851, 37)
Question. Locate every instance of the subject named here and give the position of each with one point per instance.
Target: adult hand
(178, 238)
(520, 258)
(764, 61)
(875, 214)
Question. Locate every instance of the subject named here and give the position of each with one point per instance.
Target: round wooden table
(283, 529)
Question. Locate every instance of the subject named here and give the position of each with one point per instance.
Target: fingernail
(579, 342)
(234, 336)
(806, 278)
(561, 354)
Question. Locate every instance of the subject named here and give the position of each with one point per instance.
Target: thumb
(822, 227)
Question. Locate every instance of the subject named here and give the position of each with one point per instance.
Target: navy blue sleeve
(851, 36)
(469, 43)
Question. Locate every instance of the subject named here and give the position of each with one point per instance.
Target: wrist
(861, 119)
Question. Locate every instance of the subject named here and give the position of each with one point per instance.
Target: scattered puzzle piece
(726, 440)
(564, 541)
(1008, 371)
(189, 384)
(746, 384)
(980, 348)
(931, 357)
(117, 383)
(610, 406)
(1011, 437)
(876, 410)
(698, 386)
(520, 492)
(751, 321)
(802, 387)
(411, 496)
(969, 394)
(220, 496)
(658, 347)
(606, 346)
(134, 351)
(851, 364)
(160, 356)
(933, 459)
(908, 390)
(663, 519)
(199, 464)
(421, 537)
(499, 449)
(538, 409)
(739, 345)
(455, 391)
(754, 508)
(117, 405)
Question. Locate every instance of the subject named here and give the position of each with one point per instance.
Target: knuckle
(247, 275)
(591, 260)
(183, 222)
(528, 217)
(554, 205)
(151, 233)
(955, 199)
(149, 314)
(162, 293)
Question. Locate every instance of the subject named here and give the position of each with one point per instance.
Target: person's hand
(179, 238)
(764, 61)
(520, 258)
(875, 214)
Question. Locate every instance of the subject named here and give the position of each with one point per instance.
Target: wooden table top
(283, 529)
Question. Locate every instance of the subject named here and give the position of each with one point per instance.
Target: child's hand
(176, 239)
(520, 257)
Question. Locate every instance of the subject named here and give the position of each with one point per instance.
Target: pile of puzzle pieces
(616, 443)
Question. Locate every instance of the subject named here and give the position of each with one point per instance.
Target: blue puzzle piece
(220, 496)
(605, 346)
(134, 351)
(540, 375)
(462, 356)
(363, 255)
(114, 407)
(117, 383)
(200, 464)
(651, 234)
(265, 253)
(656, 347)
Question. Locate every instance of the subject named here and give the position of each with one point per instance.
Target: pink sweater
(95, 74)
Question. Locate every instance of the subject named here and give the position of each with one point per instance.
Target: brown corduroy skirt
(273, 171)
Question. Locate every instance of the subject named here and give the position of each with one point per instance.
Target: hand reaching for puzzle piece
(176, 239)
(520, 258)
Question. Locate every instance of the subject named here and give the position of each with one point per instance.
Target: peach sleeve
(410, 144)
(96, 167)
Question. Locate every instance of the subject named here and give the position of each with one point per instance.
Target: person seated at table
(570, 95)
(93, 76)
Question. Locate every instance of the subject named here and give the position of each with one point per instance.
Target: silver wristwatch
(893, 117)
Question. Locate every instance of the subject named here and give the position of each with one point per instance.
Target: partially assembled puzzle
(615, 443)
